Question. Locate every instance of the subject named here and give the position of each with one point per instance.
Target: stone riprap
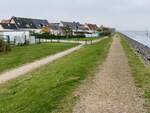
(141, 49)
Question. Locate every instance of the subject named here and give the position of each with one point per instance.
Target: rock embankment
(143, 50)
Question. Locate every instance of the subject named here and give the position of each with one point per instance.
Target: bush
(47, 36)
(4, 46)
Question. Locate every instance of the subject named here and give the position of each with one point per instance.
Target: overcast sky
(121, 14)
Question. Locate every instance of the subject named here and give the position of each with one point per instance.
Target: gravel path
(13, 73)
(73, 41)
(34, 65)
(112, 89)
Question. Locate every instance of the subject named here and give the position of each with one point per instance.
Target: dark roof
(30, 23)
(8, 26)
(53, 27)
(74, 25)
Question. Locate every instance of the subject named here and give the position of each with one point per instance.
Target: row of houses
(18, 30)
(36, 25)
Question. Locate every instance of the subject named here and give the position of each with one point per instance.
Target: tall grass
(140, 71)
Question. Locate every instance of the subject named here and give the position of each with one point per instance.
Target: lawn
(141, 72)
(50, 88)
(24, 54)
(84, 39)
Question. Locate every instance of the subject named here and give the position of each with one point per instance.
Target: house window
(27, 25)
(41, 25)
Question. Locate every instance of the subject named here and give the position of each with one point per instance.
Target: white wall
(55, 32)
(1, 28)
(91, 35)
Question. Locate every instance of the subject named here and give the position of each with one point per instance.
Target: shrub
(4, 46)
(46, 30)
(47, 36)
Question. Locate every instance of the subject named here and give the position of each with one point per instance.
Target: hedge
(47, 36)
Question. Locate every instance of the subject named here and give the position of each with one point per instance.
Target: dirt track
(112, 90)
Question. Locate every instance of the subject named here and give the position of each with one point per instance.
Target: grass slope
(25, 54)
(141, 73)
(50, 88)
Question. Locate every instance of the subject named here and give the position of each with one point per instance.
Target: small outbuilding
(15, 37)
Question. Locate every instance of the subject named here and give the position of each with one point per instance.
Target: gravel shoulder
(112, 90)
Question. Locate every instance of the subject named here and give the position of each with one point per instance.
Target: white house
(77, 28)
(34, 25)
(92, 29)
(54, 28)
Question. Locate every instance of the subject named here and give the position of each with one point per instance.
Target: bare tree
(67, 31)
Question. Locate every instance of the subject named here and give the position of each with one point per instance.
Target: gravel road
(112, 90)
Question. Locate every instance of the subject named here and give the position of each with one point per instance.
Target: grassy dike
(140, 71)
(50, 88)
(20, 55)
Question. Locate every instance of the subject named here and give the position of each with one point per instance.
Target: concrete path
(4, 77)
(112, 89)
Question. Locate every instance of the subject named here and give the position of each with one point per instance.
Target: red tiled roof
(5, 21)
(92, 26)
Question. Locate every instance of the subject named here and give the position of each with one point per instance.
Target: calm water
(140, 36)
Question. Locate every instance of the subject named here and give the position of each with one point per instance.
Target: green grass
(50, 88)
(141, 72)
(83, 39)
(25, 54)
